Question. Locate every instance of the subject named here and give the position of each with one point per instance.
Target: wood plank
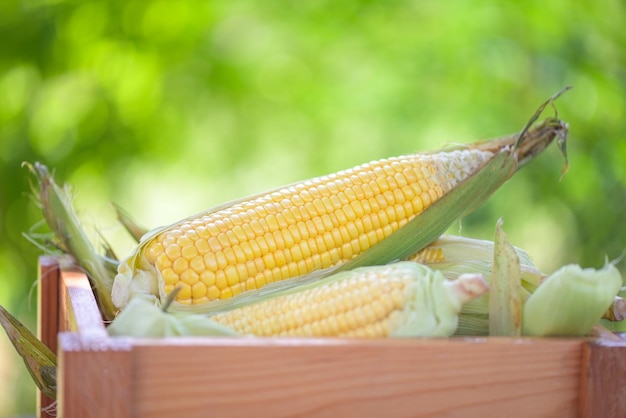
(603, 379)
(48, 301)
(95, 377)
(47, 319)
(79, 298)
(334, 377)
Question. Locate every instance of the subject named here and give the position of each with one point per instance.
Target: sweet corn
(308, 226)
(307, 230)
(401, 299)
(323, 222)
(397, 300)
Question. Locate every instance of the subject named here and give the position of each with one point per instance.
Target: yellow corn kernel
(429, 255)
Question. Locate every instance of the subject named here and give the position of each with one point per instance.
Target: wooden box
(279, 377)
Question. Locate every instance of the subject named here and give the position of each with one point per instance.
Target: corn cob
(308, 226)
(313, 225)
(404, 299)
(397, 300)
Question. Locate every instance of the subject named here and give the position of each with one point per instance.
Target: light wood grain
(95, 378)
(80, 307)
(423, 378)
(603, 379)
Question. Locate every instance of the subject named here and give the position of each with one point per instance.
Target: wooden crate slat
(79, 298)
(48, 301)
(48, 309)
(328, 377)
(603, 383)
(95, 378)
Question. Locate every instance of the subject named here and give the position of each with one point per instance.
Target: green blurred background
(170, 107)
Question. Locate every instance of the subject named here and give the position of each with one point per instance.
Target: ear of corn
(293, 231)
(397, 300)
(371, 214)
(401, 300)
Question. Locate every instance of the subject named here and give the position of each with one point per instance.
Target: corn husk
(617, 310)
(505, 298)
(40, 361)
(142, 318)
(571, 301)
(70, 237)
(456, 255)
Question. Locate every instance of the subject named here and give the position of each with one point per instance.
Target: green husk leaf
(57, 209)
(143, 319)
(474, 324)
(435, 303)
(570, 301)
(129, 223)
(40, 361)
(505, 299)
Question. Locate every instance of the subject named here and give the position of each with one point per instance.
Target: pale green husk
(505, 297)
(142, 318)
(59, 213)
(571, 301)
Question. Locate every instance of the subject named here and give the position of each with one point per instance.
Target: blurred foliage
(170, 107)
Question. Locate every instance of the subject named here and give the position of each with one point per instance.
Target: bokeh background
(171, 107)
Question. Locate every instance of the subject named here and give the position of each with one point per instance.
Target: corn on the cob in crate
(402, 299)
(323, 222)
(296, 230)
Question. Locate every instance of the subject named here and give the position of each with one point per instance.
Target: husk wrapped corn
(398, 300)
